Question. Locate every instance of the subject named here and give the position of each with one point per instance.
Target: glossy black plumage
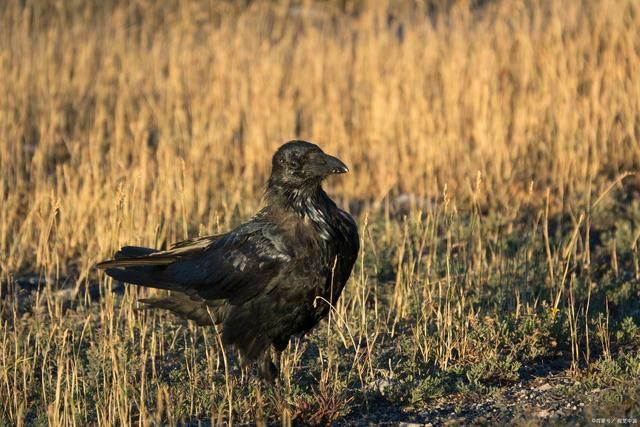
(268, 279)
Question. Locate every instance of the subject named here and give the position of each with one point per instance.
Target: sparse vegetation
(493, 148)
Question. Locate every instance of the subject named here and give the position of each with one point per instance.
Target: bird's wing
(235, 266)
(135, 256)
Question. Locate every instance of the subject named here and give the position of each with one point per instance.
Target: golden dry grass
(147, 122)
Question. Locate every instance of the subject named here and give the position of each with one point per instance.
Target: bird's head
(300, 164)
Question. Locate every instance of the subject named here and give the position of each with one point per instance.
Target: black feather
(269, 278)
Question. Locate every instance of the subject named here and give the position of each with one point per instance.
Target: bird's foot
(268, 370)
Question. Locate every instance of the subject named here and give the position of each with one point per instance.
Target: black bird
(270, 278)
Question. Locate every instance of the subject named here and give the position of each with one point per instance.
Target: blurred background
(178, 106)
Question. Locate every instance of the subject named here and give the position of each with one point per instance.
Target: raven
(270, 278)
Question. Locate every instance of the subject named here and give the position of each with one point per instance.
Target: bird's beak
(334, 165)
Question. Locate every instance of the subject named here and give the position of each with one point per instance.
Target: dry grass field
(492, 147)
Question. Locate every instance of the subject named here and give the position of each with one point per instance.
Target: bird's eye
(294, 162)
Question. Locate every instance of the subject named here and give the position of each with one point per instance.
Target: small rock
(544, 387)
(543, 413)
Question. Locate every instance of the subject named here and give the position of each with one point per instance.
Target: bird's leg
(277, 360)
(269, 364)
(267, 369)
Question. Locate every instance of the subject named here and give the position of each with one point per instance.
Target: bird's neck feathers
(306, 201)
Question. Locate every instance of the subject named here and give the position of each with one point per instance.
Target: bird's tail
(136, 256)
(148, 267)
(140, 266)
(204, 313)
